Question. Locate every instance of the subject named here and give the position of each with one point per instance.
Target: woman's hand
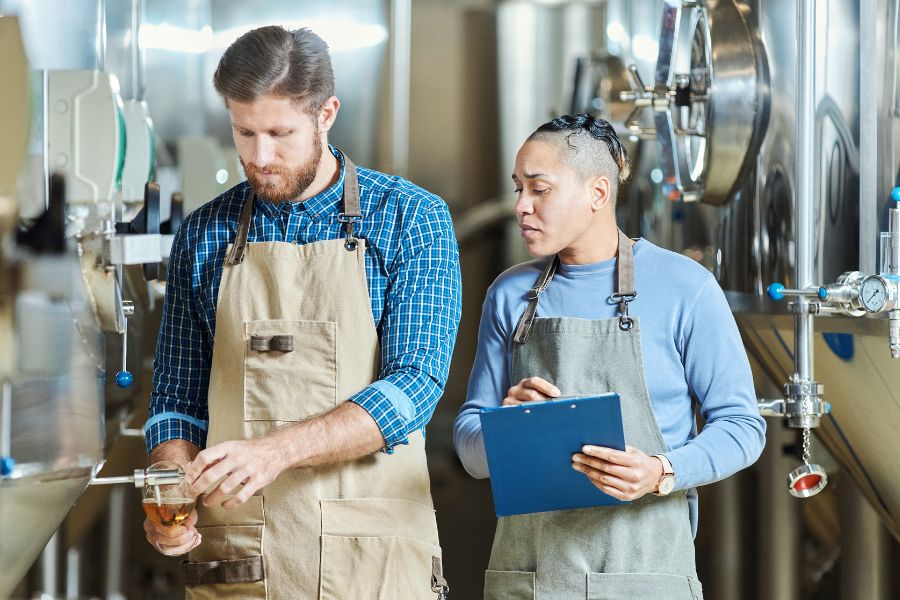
(531, 389)
(624, 475)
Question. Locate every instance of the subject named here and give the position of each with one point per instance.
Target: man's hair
(274, 60)
(592, 146)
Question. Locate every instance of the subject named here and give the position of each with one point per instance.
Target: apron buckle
(272, 343)
(625, 322)
(348, 221)
(438, 584)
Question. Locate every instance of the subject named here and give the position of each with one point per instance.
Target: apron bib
(643, 550)
(294, 338)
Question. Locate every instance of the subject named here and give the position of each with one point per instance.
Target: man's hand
(175, 540)
(233, 471)
(624, 475)
(178, 539)
(531, 389)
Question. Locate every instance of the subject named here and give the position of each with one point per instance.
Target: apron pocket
(642, 586)
(377, 548)
(508, 585)
(228, 562)
(290, 371)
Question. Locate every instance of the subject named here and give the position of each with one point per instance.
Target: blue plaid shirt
(412, 268)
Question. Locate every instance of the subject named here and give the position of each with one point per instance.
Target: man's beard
(291, 182)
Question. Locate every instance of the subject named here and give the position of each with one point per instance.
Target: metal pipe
(5, 419)
(401, 41)
(101, 35)
(50, 566)
(73, 573)
(137, 92)
(865, 562)
(894, 247)
(870, 51)
(115, 545)
(805, 182)
(778, 557)
(143, 478)
(725, 576)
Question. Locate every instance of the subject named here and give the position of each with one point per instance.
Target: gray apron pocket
(642, 586)
(377, 548)
(508, 585)
(289, 381)
(228, 563)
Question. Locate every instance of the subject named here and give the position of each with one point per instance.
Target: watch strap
(667, 466)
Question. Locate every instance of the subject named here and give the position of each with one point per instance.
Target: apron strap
(242, 570)
(240, 241)
(351, 212)
(543, 280)
(350, 215)
(624, 294)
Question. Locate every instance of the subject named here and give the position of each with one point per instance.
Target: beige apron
(295, 338)
(642, 550)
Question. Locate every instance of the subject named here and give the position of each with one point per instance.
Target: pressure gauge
(876, 294)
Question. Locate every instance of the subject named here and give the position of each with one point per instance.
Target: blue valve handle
(124, 379)
(895, 194)
(776, 291)
(7, 465)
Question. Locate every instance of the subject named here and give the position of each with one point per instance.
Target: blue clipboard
(530, 447)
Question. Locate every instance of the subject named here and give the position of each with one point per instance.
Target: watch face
(666, 485)
(873, 294)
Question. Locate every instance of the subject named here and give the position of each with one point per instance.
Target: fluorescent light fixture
(175, 39)
(616, 32)
(339, 34)
(644, 47)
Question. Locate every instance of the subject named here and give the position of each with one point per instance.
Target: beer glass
(167, 503)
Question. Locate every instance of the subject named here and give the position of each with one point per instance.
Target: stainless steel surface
(29, 514)
(401, 34)
(59, 34)
(709, 101)
(538, 45)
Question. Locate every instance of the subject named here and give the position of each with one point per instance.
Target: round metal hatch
(709, 99)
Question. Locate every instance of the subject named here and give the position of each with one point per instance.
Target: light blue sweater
(691, 348)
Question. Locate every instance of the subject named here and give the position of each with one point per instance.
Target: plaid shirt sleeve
(178, 408)
(421, 316)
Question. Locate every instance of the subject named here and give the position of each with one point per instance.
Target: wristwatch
(666, 482)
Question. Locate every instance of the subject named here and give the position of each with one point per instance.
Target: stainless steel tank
(51, 364)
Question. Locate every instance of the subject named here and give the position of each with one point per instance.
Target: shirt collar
(324, 203)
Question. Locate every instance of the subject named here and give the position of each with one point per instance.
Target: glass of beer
(169, 503)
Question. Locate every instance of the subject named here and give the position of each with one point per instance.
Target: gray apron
(637, 551)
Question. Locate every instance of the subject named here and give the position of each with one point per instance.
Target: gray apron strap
(351, 212)
(240, 241)
(625, 290)
(527, 318)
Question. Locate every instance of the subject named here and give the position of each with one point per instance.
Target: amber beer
(171, 512)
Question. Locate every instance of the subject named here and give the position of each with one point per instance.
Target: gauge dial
(874, 293)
